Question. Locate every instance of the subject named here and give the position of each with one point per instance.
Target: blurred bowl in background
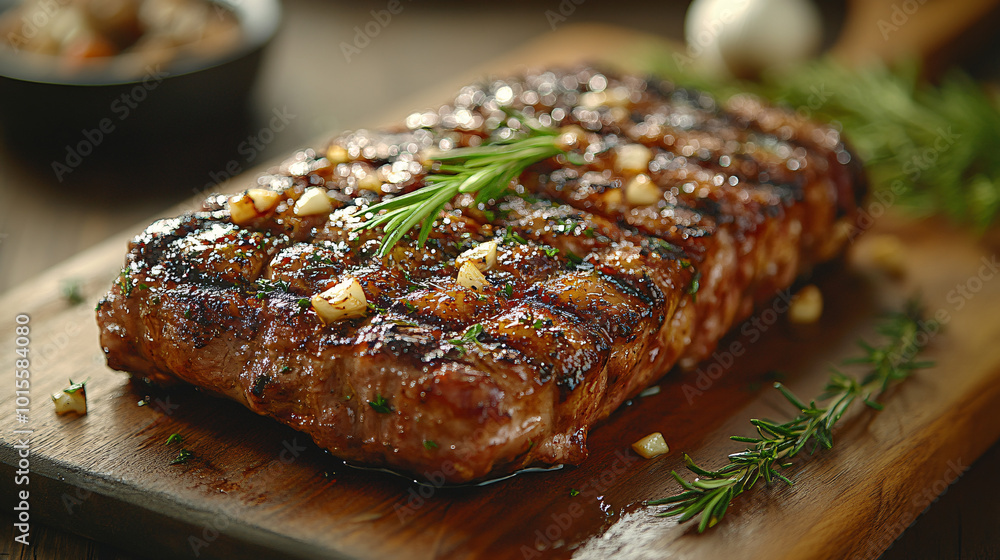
(52, 109)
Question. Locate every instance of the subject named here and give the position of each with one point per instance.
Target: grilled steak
(683, 215)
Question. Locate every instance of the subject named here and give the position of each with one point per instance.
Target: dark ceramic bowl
(66, 117)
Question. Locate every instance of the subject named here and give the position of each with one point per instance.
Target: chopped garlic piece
(264, 199)
(641, 191)
(312, 202)
(888, 252)
(613, 197)
(482, 256)
(241, 209)
(807, 306)
(633, 158)
(470, 277)
(592, 99)
(426, 156)
(337, 154)
(346, 300)
(571, 137)
(71, 399)
(370, 182)
(651, 445)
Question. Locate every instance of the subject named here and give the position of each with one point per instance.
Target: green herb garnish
(125, 282)
(486, 170)
(694, 286)
(74, 387)
(259, 384)
(429, 444)
(182, 457)
(174, 438)
(380, 404)
(72, 291)
(710, 494)
(470, 336)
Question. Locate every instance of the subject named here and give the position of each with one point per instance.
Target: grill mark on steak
(588, 302)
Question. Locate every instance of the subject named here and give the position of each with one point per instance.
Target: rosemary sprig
(710, 494)
(486, 170)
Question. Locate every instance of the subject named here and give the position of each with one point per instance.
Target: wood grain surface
(256, 488)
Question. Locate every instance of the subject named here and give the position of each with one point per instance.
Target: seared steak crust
(593, 296)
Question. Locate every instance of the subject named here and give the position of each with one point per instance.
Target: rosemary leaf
(486, 170)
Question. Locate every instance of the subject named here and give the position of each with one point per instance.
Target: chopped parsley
(265, 286)
(74, 387)
(508, 290)
(573, 492)
(550, 251)
(663, 247)
(574, 259)
(125, 281)
(430, 444)
(259, 384)
(380, 404)
(182, 457)
(470, 336)
(695, 284)
(510, 236)
(174, 438)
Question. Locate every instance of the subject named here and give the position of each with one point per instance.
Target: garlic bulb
(746, 37)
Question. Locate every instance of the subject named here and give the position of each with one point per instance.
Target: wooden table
(43, 222)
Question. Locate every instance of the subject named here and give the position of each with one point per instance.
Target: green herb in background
(710, 494)
(930, 148)
(72, 291)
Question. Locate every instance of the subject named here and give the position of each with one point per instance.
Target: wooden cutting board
(256, 489)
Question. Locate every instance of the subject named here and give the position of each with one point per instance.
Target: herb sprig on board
(486, 170)
(710, 494)
(929, 148)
